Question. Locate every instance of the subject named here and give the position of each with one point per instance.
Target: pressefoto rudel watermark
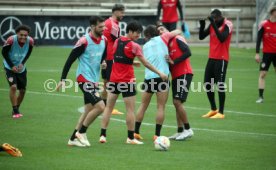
(50, 86)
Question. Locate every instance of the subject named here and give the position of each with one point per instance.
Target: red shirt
(269, 36)
(169, 8)
(111, 29)
(183, 67)
(220, 50)
(124, 72)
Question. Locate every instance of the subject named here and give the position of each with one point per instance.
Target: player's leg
(73, 141)
(175, 92)
(12, 80)
(209, 87)
(220, 75)
(264, 67)
(145, 100)
(112, 96)
(91, 96)
(21, 86)
(178, 101)
(129, 100)
(162, 98)
(130, 119)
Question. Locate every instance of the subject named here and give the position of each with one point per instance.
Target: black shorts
(90, 93)
(155, 85)
(266, 61)
(107, 72)
(18, 79)
(170, 25)
(181, 86)
(215, 71)
(126, 88)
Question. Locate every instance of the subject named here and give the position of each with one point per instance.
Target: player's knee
(177, 103)
(22, 91)
(13, 87)
(262, 75)
(101, 106)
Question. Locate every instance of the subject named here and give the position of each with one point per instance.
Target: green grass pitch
(245, 139)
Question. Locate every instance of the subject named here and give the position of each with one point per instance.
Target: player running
(90, 51)
(156, 52)
(220, 31)
(16, 51)
(267, 34)
(122, 79)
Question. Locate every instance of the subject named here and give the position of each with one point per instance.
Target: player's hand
(20, 67)
(104, 65)
(136, 63)
(202, 23)
(164, 77)
(169, 60)
(257, 58)
(15, 69)
(60, 85)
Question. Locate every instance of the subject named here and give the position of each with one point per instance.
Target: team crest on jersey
(263, 65)
(10, 79)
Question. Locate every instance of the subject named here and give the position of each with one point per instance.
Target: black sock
(186, 126)
(18, 106)
(103, 132)
(73, 135)
(104, 100)
(83, 129)
(1, 149)
(180, 129)
(221, 102)
(211, 97)
(261, 93)
(158, 129)
(130, 134)
(15, 109)
(137, 127)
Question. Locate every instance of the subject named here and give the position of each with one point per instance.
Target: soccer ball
(162, 143)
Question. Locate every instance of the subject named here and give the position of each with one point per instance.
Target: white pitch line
(170, 105)
(208, 130)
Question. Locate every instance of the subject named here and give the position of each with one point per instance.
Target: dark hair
(118, 7)
(216, 13)
(272, 10)
(150, 31)
(94, 20)
(134, 26)
(23, 27)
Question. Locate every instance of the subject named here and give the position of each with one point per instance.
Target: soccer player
(267, 34)
(220, 31)
(16, 51)
(155, 51)
(182, 74)
(13, 151)
(170, 16)
(89, 50)
(122, 79)
(111, 32)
